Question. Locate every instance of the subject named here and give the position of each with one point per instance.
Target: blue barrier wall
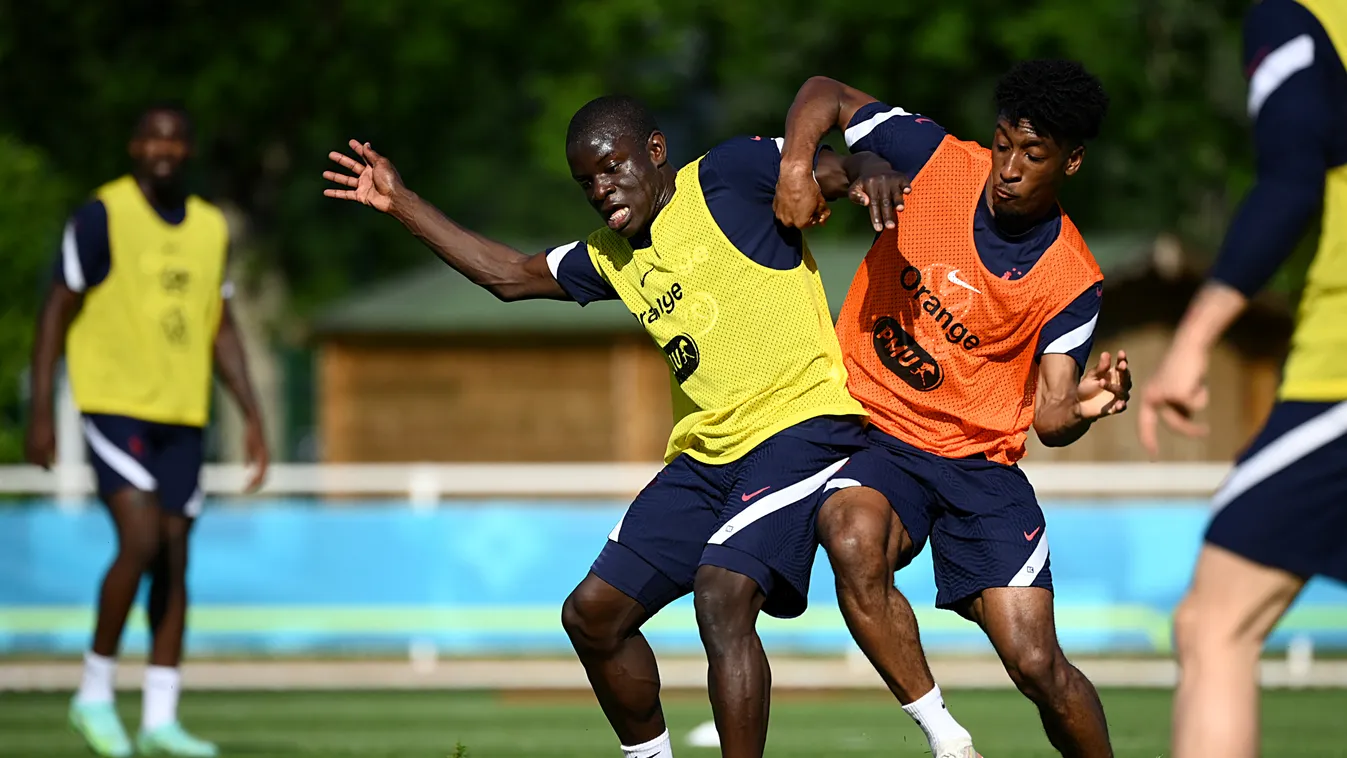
(296, 577)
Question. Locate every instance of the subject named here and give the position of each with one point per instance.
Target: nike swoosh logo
(923, 120)
(647, 273)
(1029, 536)
(750, 495)
(954, 279)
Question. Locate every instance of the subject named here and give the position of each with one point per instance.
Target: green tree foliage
(30, 227)
(471, 100)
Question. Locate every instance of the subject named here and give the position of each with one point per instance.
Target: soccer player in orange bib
(970, 320)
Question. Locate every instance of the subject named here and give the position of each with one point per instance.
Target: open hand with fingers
(372, 180)
(1106, 388)
(882, 190)
(1176, 395)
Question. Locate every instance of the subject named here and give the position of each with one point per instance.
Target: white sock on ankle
(99, 674)
(659, 747)
(935, 720)
(162, 685)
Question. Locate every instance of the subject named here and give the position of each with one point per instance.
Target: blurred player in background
(970, 320)
(1282, 515)
(762, 413)
(139, 304)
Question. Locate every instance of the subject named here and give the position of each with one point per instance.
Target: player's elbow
(1052, 437)
(506, 292)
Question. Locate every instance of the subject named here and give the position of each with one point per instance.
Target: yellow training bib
(1317, 367)
(143, 344)
(751, 349)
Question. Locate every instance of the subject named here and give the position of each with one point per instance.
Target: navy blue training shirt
(1298, 103)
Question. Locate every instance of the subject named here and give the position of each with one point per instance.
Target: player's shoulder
(745, 151)
(605, 244)
(203, 209)
(880, 118)
(1074, 243)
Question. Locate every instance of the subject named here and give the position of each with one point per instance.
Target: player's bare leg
(1219, 630)
(739, 679)
(1019, 622)
(135, 515)
(866, 542)
(167, 604)
(603, 624)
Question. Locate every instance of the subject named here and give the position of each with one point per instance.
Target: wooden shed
(429, 367)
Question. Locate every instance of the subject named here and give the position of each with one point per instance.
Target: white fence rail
(430, 483)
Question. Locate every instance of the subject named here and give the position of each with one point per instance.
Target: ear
(657, 149)
(1074, 160)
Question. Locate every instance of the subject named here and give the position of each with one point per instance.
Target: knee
(1039, 671)
(1203, 632)
(862, 536)
(141, 547)
(589, 622)
(727, 607)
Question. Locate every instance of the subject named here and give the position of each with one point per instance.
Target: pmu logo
(683, 356)
(900, 353)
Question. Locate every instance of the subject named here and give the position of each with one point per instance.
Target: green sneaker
(172, 739)
(102, 731)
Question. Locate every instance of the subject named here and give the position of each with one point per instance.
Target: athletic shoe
(172, 739)
(101, 729)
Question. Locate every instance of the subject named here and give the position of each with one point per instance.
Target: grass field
(509, 725)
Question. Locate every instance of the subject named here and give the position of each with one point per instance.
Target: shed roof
(434, 299)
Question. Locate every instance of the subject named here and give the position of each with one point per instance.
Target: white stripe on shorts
(194, 504)
(1293, 445)
(1034, 566)
(119, 460)
(774, 502)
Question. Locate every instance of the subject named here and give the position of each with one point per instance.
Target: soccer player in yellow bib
(762, 413)
(140, 302)
(1282, 513)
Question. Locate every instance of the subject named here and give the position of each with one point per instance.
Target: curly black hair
(612, 116)
(1060, 99)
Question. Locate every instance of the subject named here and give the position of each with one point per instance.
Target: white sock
(656, 748)
(935, 720)
(99, 675)
(160, 708)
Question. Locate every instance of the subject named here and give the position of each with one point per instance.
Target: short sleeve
(574, 270)
(85, 257)
(905, 140)
(746, 166)
(1071, 332)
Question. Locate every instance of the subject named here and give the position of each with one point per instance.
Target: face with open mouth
(618, 175)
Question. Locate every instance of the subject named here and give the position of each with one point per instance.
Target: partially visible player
(970, 321)
(1262, 546)
(762, 414)
(140, 305)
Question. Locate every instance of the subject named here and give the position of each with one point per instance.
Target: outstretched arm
(1066, 407)
(500, 269)
(1294, 127)
(232, 365)
(820, 105)
(58, 311)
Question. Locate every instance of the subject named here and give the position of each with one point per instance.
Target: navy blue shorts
(1285, 503)
(982, 518)
(754, 516)
(161, 458)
